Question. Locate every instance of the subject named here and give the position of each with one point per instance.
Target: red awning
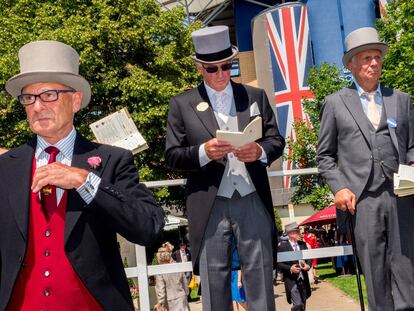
(323, 217)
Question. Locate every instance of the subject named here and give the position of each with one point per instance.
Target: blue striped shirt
(88, 189)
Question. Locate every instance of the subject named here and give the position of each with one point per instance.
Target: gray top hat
(212, 45)
(362, 39)
(49, 61)
(293, 226)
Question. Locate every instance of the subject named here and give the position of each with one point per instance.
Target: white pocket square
(254, 110)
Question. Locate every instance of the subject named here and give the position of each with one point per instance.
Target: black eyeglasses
(214, 68)
(46, 96)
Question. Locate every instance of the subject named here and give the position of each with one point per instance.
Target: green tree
(133, 54)
(322, 81)
(397, 29)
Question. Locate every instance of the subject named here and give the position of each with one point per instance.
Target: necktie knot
(53, 152)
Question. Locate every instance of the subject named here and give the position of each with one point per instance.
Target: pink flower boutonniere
(94, 162)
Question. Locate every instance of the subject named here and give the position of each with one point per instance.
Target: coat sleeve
(410, 139)
(328, 148)
(271, 142)
(160, 289)
(126, 204)
(179, 154)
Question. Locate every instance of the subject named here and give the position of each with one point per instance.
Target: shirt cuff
(88, 189)
(202, 155)
(263, 157)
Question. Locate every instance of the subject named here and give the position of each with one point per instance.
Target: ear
(76, 101)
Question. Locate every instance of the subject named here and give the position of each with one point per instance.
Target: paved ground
(325, 297)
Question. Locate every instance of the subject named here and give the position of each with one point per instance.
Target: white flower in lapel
(203, 106)
(254, 110)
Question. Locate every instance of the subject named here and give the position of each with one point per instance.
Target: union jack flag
(291, 58)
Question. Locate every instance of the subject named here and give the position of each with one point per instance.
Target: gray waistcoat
(384, 155)
(235, 175)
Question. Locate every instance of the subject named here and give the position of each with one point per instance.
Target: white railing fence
(142, 270)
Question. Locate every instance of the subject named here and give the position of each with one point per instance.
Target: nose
(38, 105)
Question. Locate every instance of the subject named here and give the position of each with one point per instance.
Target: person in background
(228, 193)
(183, 255)
(366, 131)
(237, 291)
(65, 199)
(310, 238)
(171, 288)
(295, 272)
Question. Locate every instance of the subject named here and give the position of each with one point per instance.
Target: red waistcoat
(47, 280)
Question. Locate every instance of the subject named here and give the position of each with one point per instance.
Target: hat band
(211, 57)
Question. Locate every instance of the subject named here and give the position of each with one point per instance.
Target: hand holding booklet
(404, 181)
(118, 129)
(251, 133)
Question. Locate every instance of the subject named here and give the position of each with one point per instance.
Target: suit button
(47, 233)
(46, 293)
(46, 273)
(370, 157)
(47, 253)
(20, 259)
(382, 162)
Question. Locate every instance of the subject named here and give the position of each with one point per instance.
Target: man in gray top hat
(367, 130)
(228, 194)
(64, 198)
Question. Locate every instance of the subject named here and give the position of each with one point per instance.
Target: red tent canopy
(323, 217)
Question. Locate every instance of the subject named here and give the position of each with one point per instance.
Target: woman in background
(171, 288)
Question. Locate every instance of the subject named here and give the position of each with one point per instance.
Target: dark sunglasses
(213, 69)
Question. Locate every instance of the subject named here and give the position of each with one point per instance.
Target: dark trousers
(384, 233)
(245, 220)
(298, 296)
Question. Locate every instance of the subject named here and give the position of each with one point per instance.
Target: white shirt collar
(65, 145)
(211, 92)
(361, 92)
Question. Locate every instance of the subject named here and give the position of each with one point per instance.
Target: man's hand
(306, 267)
(59, 175)
(345, 200)
(248, 153)
(295, 268)
(217, 149)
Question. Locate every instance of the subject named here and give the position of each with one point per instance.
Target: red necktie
(48, 193)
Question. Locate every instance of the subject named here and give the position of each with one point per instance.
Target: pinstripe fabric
(88, 189)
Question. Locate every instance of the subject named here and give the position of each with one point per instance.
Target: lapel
(83, 149)
(241, 100)
(18, 170)
(352, 102)
(390, 106)
(207, 117)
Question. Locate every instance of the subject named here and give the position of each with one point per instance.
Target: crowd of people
(65, 198)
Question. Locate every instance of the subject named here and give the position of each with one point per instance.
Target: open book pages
(252, 132)
(404, 181)
(118, 129)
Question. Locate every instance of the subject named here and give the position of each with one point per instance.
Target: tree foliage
(322, 81)
(133, 54)
(397, 29)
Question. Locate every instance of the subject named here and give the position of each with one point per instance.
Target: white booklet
(252, 132)
(404, 181)
(118, 129)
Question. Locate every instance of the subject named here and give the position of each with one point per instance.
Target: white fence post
(142, 269)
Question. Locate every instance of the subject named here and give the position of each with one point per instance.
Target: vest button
(46, 293)
(47, 253)
(47, 233)
(47, 273)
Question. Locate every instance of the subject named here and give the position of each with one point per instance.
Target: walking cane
(358, 275)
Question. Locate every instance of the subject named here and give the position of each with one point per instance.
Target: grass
(346, 283)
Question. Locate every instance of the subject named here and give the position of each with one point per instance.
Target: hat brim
(369, 46)
(234, 49)
(15, 84)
